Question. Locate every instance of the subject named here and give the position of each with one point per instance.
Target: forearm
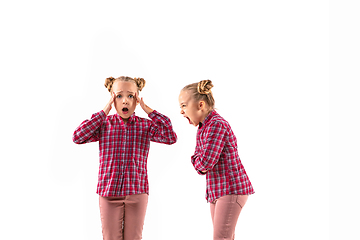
(208, 149)
(161, 129)
(148, 110)
(199, 164)
(88, 129)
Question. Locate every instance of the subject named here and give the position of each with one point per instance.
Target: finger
(137, 97)
(142, 102)
(111, 101)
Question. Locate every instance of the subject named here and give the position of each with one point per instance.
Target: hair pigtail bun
(204, 86)
(109, 82)
(140, 82)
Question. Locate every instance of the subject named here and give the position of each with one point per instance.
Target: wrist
(106, 110)
(149, 111)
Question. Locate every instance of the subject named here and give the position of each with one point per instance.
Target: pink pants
(122, 218)
(225, 212)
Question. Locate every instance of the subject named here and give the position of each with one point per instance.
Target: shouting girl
(216, 156)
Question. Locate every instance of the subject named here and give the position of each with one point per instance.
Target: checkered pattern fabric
(124, 149)
(217, 153)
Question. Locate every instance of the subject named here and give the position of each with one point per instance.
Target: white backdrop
(269, 63)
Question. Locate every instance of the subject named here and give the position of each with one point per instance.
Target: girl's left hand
(145, 107)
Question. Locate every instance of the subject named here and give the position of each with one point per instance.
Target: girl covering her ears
(124, 141)
(216, 155)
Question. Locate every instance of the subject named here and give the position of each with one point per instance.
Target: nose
(125, 100)
(182, 111)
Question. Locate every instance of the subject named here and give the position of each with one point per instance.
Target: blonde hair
(201, 91)
(140, 82)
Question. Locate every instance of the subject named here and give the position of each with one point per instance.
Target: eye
(119, 96)
(131, 96)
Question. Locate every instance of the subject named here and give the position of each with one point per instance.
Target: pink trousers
(225, 212)
(122, 218)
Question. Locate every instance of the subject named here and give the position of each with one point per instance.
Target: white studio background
(268, 60)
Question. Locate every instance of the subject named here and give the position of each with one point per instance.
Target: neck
(125, 120)
(205, 115)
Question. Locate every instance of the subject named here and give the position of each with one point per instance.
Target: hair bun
(109, 82)
(140, 82)
(204, 86)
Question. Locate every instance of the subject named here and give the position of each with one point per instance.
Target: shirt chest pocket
(111, 134)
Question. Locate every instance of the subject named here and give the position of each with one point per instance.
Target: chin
(126, 116)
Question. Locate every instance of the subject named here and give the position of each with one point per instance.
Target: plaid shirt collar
(131, 118)
(208, 118)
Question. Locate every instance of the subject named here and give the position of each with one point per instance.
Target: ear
(137, 98)
(201, 105)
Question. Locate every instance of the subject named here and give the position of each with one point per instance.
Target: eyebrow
(127, 91)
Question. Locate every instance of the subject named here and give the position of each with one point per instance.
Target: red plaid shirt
(124, 149)
(217, 152)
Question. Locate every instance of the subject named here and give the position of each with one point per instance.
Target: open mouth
(125, 110)
(189, 120)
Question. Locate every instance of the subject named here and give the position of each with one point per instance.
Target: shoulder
(215, 127)
(110, 118)
(156, 114)
(218, 121)
(141, 120)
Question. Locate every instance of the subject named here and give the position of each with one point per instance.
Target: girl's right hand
(108, 106)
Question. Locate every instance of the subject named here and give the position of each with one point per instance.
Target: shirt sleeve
(161, 130)
(205, 158)
(89, 130)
